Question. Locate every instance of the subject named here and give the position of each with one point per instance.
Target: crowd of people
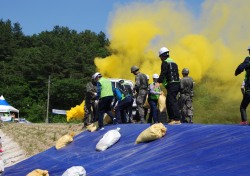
(116, 100)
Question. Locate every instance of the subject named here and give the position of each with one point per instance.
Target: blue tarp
(186, 150)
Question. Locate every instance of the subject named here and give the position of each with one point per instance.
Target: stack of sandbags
(153, 132)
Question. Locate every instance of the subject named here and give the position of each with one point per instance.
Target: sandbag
(93, 127)
(162, 103)
(146, 104)
(108, 139)
(38, 172)
(107, 119)
(64, 140)
(75, 171)
(153, 132)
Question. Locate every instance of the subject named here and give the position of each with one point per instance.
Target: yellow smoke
(76, 113)
(211, 45)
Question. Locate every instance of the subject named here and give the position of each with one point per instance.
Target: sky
(37, 16)
(209, 37)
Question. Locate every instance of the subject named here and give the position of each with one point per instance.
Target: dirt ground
(12, 153)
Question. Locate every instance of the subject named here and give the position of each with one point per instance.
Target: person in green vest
(105, 96)
(154, 93)
(245, 65)
(169, 77)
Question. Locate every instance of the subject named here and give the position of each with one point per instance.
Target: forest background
(67, 57)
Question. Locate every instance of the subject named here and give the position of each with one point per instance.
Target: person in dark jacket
(123, 102)
(245, 65)
(90, 105)
(186, 97)
(169, 76)
(141, 89)
(105, 95)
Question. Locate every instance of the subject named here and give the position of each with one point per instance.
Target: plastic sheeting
(186, 149)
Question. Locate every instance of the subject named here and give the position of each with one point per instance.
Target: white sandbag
(75, 171)
(108, 139)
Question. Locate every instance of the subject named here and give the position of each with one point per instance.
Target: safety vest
(247, 77)
(172, 72)
(118, 94)
(156, 89)
(106, 87)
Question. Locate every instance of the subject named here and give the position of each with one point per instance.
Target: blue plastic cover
(186, 150)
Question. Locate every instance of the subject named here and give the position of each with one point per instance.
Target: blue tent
(186, 150)
(6, 109)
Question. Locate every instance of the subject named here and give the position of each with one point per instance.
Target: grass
(35, 138)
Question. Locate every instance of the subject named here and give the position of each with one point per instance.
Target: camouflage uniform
(141, 88)
(90, 106)
(185, 100)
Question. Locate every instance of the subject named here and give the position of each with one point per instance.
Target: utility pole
(47, 115)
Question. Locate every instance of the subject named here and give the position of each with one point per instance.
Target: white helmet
(94, 76)
(163, 50)
(248, 47)
(156, 76)
(147, 76)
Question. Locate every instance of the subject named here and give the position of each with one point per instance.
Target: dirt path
(12, 152)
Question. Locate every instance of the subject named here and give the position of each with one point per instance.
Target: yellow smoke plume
(211, 44)
(76, 113)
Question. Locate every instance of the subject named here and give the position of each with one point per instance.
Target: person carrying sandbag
(154, 93)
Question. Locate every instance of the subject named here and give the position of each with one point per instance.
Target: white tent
(6, 110)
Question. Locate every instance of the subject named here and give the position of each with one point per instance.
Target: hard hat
(163, 50)
(94, 76)
(134, 68)
(121, 81)
(156, 76)
(147, 76)
(185, 71)
(248, 47)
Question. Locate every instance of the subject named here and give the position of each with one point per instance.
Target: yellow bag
(38, 172)
(106, 119)
(162, 103)
(64, 140)
(146, 104)
(153, 132)
(93, 127)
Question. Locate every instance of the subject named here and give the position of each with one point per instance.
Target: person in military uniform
(186, 95)
(90, 105)
(169, 76)
(245, 65)
(141, 90)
